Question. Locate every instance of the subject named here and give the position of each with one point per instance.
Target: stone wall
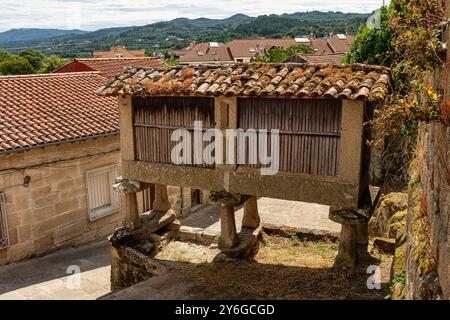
(428, 223)
(51, 212)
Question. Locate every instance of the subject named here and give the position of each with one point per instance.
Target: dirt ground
(285, 268)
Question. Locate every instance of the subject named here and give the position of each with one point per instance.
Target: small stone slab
(223, 198)
(155, 221)
(385, 245)
(127, 186)
(349, 216)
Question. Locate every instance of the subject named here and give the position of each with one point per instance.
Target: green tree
(35, 58)
(373, 45)
(279, 54)
(3, 55)
(52, 63)
(15, 65)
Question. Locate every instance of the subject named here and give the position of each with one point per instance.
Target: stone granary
(319, 110)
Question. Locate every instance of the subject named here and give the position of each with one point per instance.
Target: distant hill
(35, 34)
(178, 33)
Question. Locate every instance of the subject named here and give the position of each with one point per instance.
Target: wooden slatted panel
(156, 118)
(309, 131)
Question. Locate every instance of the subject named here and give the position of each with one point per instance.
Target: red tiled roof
(203, 52)
(37, 110)
(119, 52)
(353, 81)
(109, 67)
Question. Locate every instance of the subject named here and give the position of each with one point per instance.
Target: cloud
(95, 14)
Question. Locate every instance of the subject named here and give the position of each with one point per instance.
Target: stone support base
(161, 202)
(247, 247)
(348, 254)
(251, 217)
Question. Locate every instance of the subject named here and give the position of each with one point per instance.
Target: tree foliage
(279, 54)
(35, 58)
(410, 43)
(372, 45)
(29, 61)
(52, 63)
(15, 65)
(3, 55)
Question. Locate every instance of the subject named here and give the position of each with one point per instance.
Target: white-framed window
(102, 198)
(4, 236)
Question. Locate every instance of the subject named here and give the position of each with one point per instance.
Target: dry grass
(283, 269)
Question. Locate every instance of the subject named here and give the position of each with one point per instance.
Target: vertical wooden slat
(310, 131)
(156, 118)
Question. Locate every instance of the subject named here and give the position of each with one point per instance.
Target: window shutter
(102, 198)
(4, 236)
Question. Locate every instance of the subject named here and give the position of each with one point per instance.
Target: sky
(97, 14)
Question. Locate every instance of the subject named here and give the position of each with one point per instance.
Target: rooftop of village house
(39, 110)
(355, 81)
(109, 67)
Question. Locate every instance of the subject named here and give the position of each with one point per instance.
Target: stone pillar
(130, 188)
(227, 201)
(362, 240)
(132, 218)
(161, 202)
(251, 217)
(228, 235)
(348, 253)
(354, 229)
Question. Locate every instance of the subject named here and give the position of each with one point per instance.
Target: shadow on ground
(53, 266)
(279, 272)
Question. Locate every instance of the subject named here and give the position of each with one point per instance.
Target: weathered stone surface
(144, 246)
(127, 186)
(159, 221)
(131, 210)
(228, 236)
(251, 217)
(349, 216)
(428, 217)
(161, 198)
(389, 205)
(386, 245)
(151, 222)
(347, 256)
(222, 198)
(52, 212)
(129, 266)
(248, 246)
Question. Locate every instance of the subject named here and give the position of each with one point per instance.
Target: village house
(206, 53)
(319, 111)
(119, 52)
(59, 157)
(243, 50)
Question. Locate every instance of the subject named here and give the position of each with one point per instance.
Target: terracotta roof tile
(109, 67)
(41, 109)
(354, 81)
(317, 58)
